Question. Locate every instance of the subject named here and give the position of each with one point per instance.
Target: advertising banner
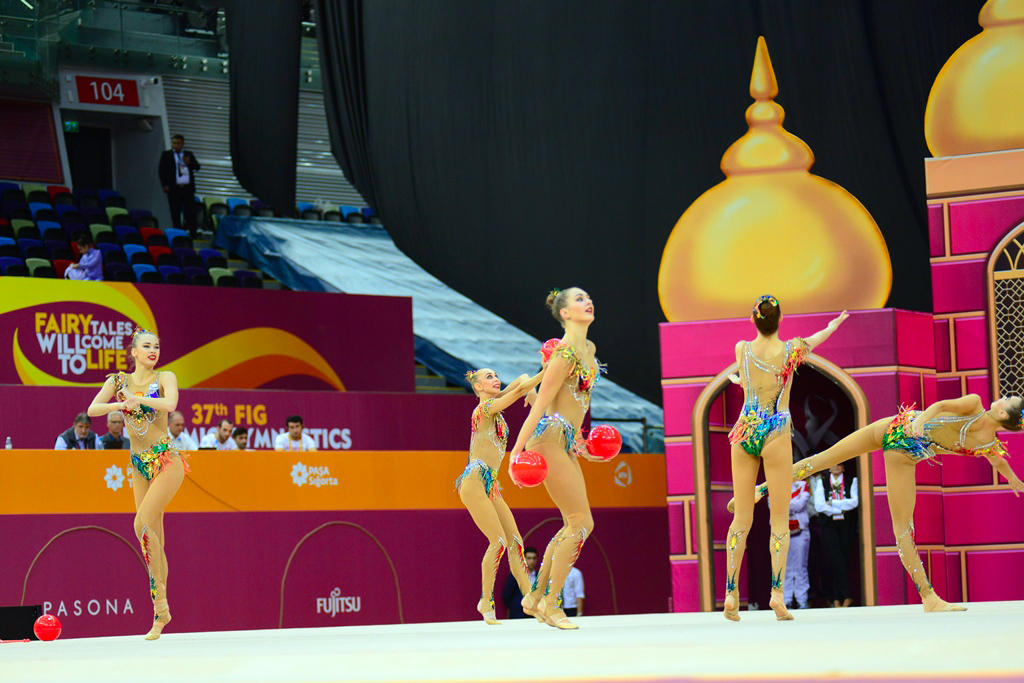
(34, 416)
(67, 333)
(247, 570)
(100, 482)
(272, 540)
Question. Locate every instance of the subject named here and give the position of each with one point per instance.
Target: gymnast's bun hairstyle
(556, 301)
(766, 314)
(471, 379)
(1013, 414)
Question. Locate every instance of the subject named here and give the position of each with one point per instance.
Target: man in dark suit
(177, 175)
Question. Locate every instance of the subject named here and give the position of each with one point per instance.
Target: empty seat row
(137, 272)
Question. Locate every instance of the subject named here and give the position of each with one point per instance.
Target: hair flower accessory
(763, 298)
(554, 292)
(138, 331)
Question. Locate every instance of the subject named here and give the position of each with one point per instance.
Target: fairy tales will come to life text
(83, 343)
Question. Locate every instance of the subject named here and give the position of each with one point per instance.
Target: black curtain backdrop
(512, 147)
(263, 42)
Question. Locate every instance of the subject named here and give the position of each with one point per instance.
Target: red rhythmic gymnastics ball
(604, 442)
(548, 348)
(47, 627)
(529, 468)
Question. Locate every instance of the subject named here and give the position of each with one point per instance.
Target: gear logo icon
(300, 474)
(114, 477)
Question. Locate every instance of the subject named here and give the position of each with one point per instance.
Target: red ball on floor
(604, 442)
(529, 468)
(47, 627)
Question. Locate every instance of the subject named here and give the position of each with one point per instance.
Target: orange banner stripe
(88, 482)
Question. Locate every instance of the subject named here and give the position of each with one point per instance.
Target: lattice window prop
(1008, 319)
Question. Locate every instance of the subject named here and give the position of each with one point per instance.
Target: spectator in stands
(511, 596)
(90, 263)
(80, 435)
(241, 437)
(179, 437)
(294, 439)
(177, 171)
(114, 439)
(219, 438)
(572, 594)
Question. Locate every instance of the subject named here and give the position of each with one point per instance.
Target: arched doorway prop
(891, 355)
(705, 514)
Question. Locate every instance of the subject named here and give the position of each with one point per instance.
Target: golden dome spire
(977, 100)
(772, 226)
(767, 146)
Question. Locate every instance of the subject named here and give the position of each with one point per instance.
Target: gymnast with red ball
(552, 431)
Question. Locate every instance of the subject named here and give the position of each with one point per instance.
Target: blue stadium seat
(123, 230)
(140, 268)
(346, 210)
(171, 233)
(235, 201)
(8, 261)
(36, 207)
(132, 249)
(168, 270)
(212, 258)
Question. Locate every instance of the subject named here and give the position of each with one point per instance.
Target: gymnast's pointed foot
(731, 609)
(529, 604)
(778, 604)
(161, 617)
(553, 614)
(760, 491)
(486, 610)
(933, 603)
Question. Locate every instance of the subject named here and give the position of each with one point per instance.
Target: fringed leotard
(766, 385)
(898, 436)
(581, 381)
(151, 447)
(493, 431)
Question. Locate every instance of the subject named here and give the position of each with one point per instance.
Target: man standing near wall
(177, 175)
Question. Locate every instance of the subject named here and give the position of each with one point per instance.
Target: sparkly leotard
(492, 432)
(581, 382)
(898, 436)
(766, 386)
(148, 454)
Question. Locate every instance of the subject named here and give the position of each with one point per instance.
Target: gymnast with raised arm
(478, 484)
(762, 433)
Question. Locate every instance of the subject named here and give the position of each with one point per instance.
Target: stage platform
(868, 643)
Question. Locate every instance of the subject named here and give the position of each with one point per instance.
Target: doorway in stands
(90, 157)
